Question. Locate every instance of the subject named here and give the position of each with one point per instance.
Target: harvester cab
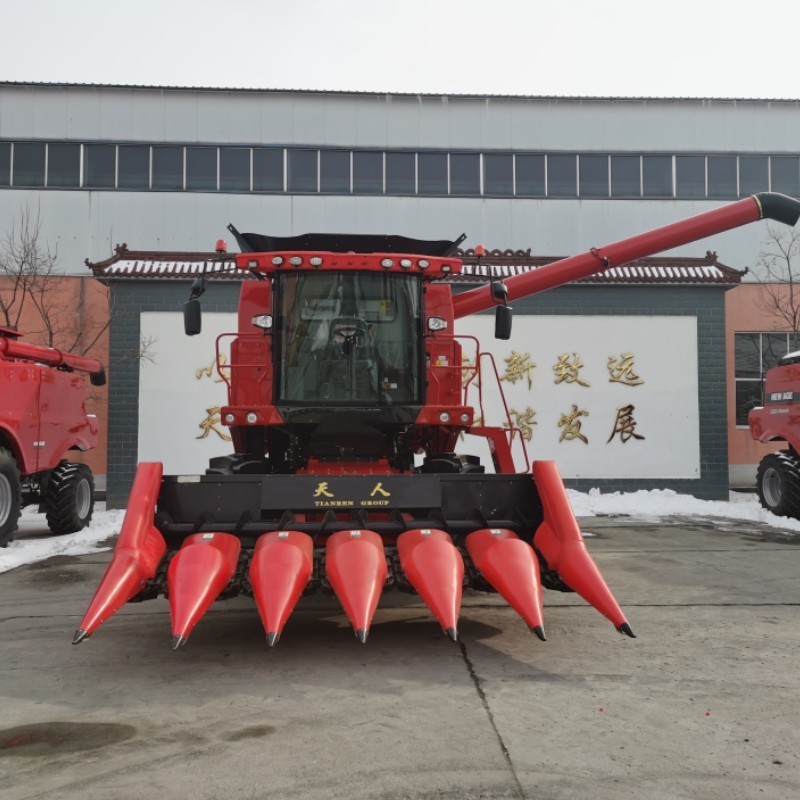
(347, 398)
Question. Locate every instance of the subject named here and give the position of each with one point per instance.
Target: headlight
(436, 323)
(263, 321)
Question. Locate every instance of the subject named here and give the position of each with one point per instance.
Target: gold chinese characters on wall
(567, 370)
(212, 421)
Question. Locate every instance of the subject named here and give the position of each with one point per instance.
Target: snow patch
(34, 542)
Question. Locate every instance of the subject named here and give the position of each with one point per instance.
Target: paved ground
(704, 704)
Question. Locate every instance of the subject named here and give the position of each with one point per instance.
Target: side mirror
(499, 292)
(192, 319)
(502, 322)
(98, 378)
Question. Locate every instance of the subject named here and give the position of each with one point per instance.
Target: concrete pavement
(703, 704)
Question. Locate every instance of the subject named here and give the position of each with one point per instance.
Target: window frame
(756, 381)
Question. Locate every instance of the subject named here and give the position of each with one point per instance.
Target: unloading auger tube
(765, 205)
(275, 525)
(11, 348)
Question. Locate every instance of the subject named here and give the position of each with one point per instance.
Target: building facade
(167, 168)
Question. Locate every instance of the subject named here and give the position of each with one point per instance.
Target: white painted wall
(174, 402)
(665, 404)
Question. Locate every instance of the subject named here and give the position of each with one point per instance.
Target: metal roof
(366, 93)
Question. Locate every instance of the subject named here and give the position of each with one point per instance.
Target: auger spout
(766, 205)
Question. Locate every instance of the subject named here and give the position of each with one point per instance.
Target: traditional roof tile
(128, 264)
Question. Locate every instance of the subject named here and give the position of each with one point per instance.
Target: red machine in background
(347, 397)
(42, 418)
(778, 420)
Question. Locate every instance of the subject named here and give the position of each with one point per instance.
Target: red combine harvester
(778, 420)
(344, 368)
(42, 418)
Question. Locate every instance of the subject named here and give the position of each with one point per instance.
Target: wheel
(778, 484)
(69, 498)
(10, 496)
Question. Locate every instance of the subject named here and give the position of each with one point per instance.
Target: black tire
(10, 496)
(69, 498)
(778, 484)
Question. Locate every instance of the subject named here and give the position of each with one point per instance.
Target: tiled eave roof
(154, 265)
(164, 264)
(655, 270)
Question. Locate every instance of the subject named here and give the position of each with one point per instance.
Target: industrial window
(334, 171)
(99, 166)
(401, 177)
(593, 176)
(64, 165)
(722, 180)
(168, 167)
(368, 173)
(657, 176)
(529, 179)
(201, 169)
(785, 174)
(465, 173)
(234, 169)
(303, 170)
(690, 176)
(498, 174)
(755, 353)
(5, 164)
(29, 161)
(562, 176)
(626, 176)
(267, 170)
(753, 175)
(133, 166)
(432, 173)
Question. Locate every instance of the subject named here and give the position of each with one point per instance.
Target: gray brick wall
(129, 299)
(132, 297)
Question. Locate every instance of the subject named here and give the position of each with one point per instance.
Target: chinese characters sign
(603, 396)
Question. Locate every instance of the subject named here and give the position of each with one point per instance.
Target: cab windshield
(349, 337)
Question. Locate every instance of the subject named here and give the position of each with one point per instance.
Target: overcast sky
(625, 48)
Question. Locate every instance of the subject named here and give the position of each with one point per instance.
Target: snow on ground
(34, 542)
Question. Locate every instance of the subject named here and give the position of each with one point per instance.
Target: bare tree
(30, 276)
(777, 270)
(26, 262)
